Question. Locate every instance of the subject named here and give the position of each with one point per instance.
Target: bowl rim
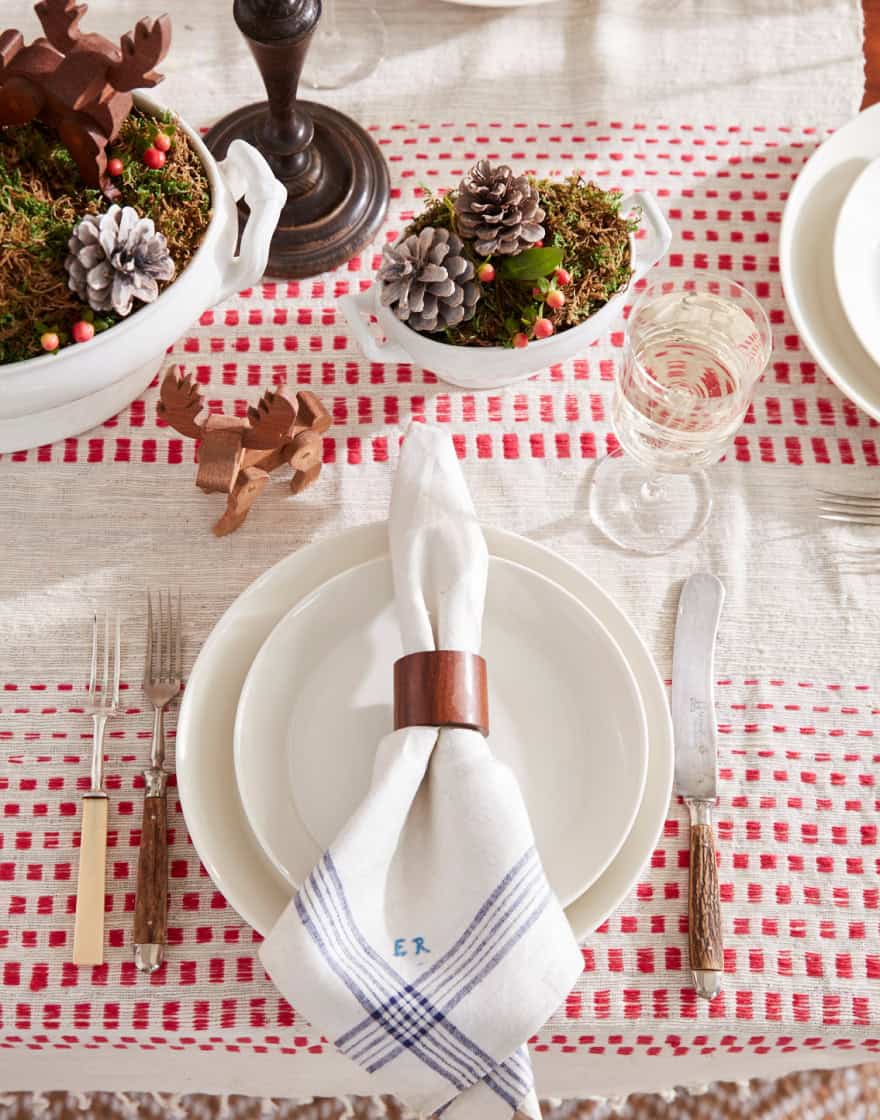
(42, 361)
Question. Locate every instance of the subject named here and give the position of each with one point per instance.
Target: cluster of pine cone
(427, 280)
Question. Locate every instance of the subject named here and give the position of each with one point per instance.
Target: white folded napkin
(427, 943)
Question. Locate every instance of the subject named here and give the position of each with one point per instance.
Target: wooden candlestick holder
(337, 181)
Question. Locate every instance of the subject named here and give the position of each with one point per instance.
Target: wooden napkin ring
(441, 688)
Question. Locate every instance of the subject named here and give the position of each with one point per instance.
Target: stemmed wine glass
(694, 350)
(337, 58)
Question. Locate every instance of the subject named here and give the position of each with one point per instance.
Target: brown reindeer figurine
(237, 454)
(78, 84)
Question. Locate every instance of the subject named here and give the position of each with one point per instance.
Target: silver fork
(851, 509)
(102, 705)
(162, 678)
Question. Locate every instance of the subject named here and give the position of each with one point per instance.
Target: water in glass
(691, 362)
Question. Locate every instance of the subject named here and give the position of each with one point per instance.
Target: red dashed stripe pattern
(798, 863)
(723, 189)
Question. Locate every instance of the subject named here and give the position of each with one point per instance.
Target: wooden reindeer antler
(11, 42)
(237, 454)
(20, 99)
(142, 49)
(60, 20)
(271, 420)
(181, 403)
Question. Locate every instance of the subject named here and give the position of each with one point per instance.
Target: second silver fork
(162, 679)
(851, 509)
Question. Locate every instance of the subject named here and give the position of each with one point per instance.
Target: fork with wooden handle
(103, 703)
(162, 676)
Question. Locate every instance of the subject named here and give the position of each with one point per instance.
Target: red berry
(563, 276)
(486, 273)
(543, 328)
(83, 331)
(520, 341)
(538, 245)
(555, 298)
(115, 166)
(537, 293)
(162, 141)
(154, 158)
(50, 341)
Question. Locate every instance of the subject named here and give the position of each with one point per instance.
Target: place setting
(304, 806)
(434, 682)
(289, 776)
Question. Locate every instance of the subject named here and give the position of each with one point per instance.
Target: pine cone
(427, 281)
(497, 210)
(115, 258)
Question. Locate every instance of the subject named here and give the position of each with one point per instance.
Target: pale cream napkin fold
(427, 943)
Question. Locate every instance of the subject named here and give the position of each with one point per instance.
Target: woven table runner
(95, 520)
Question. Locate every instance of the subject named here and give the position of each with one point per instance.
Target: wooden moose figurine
(80, 85)
(237, 454)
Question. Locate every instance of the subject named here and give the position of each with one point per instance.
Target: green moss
(581, 219)
(42, 198)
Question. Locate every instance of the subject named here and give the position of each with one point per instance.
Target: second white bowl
(491, 367)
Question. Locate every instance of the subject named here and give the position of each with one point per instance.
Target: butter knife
(696, 768)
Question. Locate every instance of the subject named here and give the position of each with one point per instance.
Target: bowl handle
(356, 310)
(656, 244)
(248, 176)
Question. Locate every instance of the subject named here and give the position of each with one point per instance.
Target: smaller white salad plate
(565, 714)
(807, 257)
(857, 258)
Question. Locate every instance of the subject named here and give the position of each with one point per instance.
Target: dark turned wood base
(338, 188)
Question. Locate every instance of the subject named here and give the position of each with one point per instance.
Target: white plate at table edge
(856, 258)
(833, 167)
(205, 769)
(499, 3)
(591, 773)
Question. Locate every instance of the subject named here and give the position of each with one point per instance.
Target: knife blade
(696, 767)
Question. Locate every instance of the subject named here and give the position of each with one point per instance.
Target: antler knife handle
(704, 903)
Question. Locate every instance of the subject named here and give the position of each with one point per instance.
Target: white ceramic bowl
(493, 366)
(53, 396)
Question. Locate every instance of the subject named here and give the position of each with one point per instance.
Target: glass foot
(645, 512)
(348, 45)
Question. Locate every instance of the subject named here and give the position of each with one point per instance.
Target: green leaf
(531, 264)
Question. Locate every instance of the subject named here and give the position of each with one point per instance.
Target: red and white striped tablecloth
(98, 518)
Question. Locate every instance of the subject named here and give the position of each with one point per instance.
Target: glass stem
(330, 28)
(652, 489)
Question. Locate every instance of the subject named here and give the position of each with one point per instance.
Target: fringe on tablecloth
(852, 1093)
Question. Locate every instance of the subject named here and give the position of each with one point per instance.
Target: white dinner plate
(565, 713)
(214, 814)
(857, 258)
(806, 258)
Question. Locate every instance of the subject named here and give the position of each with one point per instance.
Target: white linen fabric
(94, 521)
(98, 521)
(427, 941)
(748, 61)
